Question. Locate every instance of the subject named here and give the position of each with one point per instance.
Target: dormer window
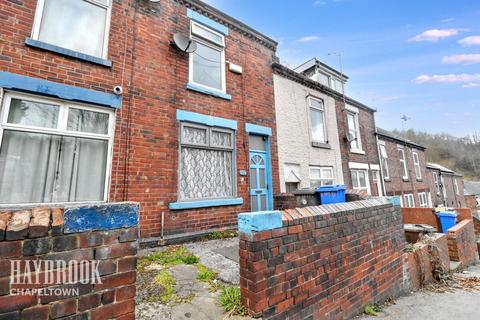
(337, 85)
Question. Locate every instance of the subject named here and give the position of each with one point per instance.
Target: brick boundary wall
(107, 234)
(462, 243)
(428, 216)
(321, 262)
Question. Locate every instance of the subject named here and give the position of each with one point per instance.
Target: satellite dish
(350, 137)
(184, 43)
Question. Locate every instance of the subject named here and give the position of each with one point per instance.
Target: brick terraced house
(355, 125)
(447, 186)
(308, 141)
(192, 137)
(404, 169)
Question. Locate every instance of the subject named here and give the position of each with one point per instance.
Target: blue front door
(259, 193)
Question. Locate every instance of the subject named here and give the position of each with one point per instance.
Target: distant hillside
(459, 154)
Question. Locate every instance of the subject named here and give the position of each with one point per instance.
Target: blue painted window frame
(67, 52)
(258, 130)
(18, 82)
(211, 121)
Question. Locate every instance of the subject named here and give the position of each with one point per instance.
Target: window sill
(357, 151)
(205, 203)
(67, 52)
(321, 145)
(210, 92)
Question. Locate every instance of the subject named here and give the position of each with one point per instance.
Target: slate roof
(398, 138)
(472, 188)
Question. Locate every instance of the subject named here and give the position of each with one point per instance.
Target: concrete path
(201, 303)
(458, 305)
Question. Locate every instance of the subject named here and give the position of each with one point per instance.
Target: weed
(231, 301)
(205, 274)
(409, 248)
(215, 235)
(172, 256)
(167, 281)
(372, 309)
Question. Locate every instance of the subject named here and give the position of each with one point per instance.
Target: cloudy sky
(403, 57)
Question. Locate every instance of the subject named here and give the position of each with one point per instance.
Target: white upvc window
(436, 182)
(207, 63)
(207, 163)
(321, 176)
(360, 180)
(455, 183)
(54, 151)
(322, 78)
(409, 200)
(337, 85)
(422, 199)
(416, 163)
(444, 187)
(403, 162)
(317, 120)
(354, 130)
(384, 161)
(80, 25)
(429, 198)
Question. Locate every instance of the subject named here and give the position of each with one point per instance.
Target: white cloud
(436, 34)
(319, 3)
(471, 85)
(448, 78)
(462, 59)
(470, 41)
(309, 39)
(448, 20)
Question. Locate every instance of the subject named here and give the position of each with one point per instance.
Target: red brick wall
(161, 73)
(396, 185)
(421, 216)
(325, 262)
(39, 236)
(462, 244)
(369, 144)
(471, 201)
(145, 158)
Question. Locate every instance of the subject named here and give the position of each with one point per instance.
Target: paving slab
(458, 305)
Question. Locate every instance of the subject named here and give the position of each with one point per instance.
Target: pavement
(457, 305)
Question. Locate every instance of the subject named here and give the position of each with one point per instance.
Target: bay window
(207, 163)
(207, 63)
(80, 25)
(53, 151)
(317, 120)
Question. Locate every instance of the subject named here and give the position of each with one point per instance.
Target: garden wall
(75, 261)
(427, 216)
(322, 262)
(462, 243)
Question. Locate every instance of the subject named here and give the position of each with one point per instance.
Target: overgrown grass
(372, 310)
(205, 274)
(173, 256)
(167, 281)
(231, 301)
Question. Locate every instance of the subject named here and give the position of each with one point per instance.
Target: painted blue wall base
(67, 52)
(250, 222)
(205, 203)
(213, 93)
(101, 217)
